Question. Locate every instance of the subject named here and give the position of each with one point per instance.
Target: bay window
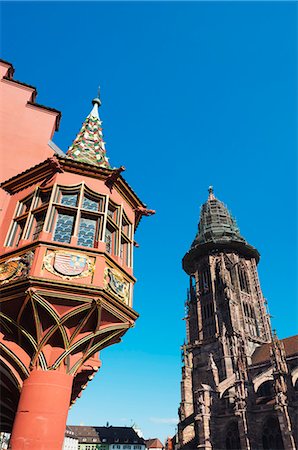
(73, 211)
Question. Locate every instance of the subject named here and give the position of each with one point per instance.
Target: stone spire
(218, 230)
(216, 222)
(88, 146)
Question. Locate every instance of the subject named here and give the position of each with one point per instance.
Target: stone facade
(239, 381)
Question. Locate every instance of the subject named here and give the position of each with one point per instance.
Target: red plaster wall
(25, 129)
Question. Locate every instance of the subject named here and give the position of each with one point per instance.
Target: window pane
(113, 212)
(108, 240)
(44, 197)
(91, 205)
(39, 221)
(87, 230)
(16, 233)
(64, 227)
(69, 199)
(25, 206)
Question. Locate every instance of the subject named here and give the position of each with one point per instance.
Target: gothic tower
(226, 321)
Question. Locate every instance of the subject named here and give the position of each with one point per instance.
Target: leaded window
(118, 234)
(77, 211)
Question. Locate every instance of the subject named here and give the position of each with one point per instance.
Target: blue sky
(193, 94)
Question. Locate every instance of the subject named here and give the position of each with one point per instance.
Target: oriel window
(77, 211)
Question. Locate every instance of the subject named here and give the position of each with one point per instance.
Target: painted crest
(8, 269)
(115, 282)
(14, 268)
(68, 265)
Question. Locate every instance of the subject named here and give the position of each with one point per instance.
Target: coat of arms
(17, 267)
(115, 282)
(68, 265)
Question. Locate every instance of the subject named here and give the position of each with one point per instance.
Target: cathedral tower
(226, 322)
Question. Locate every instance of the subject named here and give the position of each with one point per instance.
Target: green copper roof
(216, 223)
(88, 146)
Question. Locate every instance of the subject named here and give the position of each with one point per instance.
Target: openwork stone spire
(88, 146)
(216, 223)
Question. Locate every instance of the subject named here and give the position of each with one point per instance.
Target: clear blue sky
(193, 94)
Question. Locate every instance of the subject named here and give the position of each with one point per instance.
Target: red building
(66, 272)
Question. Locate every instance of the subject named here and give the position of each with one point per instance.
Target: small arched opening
(265, 392)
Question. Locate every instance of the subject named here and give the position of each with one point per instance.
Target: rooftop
(262, 353)
(109, 435)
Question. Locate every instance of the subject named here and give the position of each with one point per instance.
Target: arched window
(228, 400)
(232, 437)
(204, 281)
(266, 390)
(271, 435)
(243, 279)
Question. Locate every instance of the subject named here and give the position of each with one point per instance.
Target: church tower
(226, 321)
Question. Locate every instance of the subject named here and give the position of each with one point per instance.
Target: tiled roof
(85, 433)
(89, 146)
(262, 353)
(153, 443)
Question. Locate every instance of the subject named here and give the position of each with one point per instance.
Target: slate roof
(109, 435)
(262, 353)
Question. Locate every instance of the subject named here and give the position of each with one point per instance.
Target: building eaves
(10, 79)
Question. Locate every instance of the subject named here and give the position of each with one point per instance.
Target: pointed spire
(216, 222)
(89, 146)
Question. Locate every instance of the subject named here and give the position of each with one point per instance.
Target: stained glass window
(64, 227)
(87, 230)
(69, 199)
(90, 204)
